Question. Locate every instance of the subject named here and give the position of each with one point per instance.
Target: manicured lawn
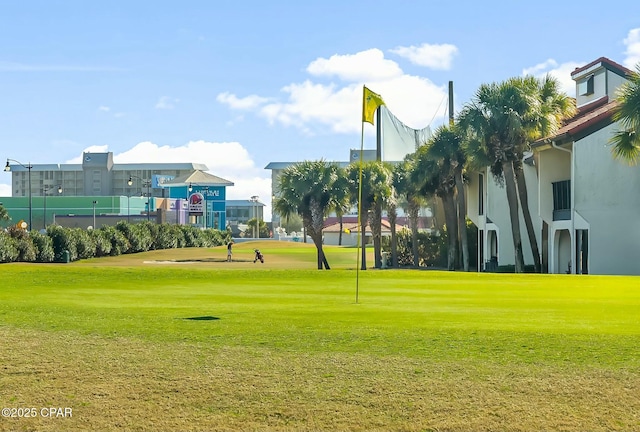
(180, 340)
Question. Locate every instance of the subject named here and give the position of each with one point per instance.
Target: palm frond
(626, 146)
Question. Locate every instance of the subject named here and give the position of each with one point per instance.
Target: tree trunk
(524, 203)
(413, 218)
(462, 219)
(393, 217)
(512, 199)
(340, 233)
(451, 218)
(315, 224)
(363, 242)
(376, 232)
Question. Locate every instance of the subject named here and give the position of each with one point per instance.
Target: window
(562, 200)
(585, 87)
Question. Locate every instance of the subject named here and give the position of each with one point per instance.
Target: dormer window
(585, 87)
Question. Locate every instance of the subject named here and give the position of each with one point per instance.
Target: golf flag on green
(370, 103)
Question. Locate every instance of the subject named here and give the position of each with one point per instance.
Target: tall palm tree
(434, 176)
(548, 107)
(376, 188)
(306, 189)
(626, 142)
(496, 119)
(340, 200)
(445, 146)
(408, 183)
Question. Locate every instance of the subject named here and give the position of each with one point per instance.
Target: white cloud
(5, 190)
(632, 42)
(439, 57)
(229, 160)
(315, 107)
(562, 72)
(166, 102)
(104, 108)
(246, 103)
(365, 66)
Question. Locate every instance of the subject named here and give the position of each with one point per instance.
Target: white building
(584, 204)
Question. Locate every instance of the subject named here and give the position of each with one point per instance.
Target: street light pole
(254, 199)
(45, 192)
(147, 184)
(94, 213)
(28, 166)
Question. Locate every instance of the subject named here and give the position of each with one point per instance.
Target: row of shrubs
(18, 245)
(432, 248)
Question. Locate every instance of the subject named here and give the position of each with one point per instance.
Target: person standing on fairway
(229, 251)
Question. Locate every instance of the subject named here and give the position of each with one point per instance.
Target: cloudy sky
(241, 84)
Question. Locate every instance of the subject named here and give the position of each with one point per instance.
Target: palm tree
(306, 189)
(376, 188)
(626, 142)
(549, 106)
(496, 119)
(410, 182)
(446, 147)
(341, 198)
(435, 176)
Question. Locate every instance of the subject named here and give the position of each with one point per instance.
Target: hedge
(19, 245)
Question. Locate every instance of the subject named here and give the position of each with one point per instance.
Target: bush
(24, 244)
(119, 243)
(138, 235)
(191, 236)
(8, 249)
(85, 245)
(62, 240)
(102, 240)
(44, 247)
(431, 249)
(165, 237)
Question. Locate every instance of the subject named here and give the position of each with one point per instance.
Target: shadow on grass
(202, 318)
(205, 260)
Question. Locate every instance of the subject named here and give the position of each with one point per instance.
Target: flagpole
(360, 200)
(370, 103)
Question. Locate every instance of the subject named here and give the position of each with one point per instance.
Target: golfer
(229, 251)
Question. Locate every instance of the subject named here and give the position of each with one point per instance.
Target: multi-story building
(108, 192)
(97, 175)
(584, 203)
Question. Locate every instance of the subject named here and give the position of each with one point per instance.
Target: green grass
(470, 328)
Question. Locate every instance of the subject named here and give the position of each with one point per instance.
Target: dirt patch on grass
(129, 384)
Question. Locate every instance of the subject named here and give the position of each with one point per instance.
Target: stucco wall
(497, 209)
(554, 165)
(607, 196)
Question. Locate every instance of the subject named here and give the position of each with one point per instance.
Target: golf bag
(258, 257)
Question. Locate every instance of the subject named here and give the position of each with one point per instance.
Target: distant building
(97, 175)
(135, 191)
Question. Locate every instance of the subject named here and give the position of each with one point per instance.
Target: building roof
(116, 167)
(596, 113)
(198, 178)
(244, 203)
(606, 63)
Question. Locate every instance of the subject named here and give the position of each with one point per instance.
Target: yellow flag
(370, 103)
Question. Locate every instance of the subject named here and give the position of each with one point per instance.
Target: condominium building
(97, 175)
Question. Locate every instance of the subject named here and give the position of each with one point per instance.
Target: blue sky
(236, 85)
